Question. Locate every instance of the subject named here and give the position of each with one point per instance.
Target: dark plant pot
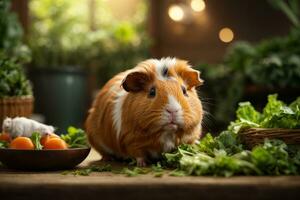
(60, 95)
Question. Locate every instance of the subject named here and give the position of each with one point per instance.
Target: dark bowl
(41, 160)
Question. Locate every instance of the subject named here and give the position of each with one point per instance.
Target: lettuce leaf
(75, 138)
(35, 138)
(276, 114)
(3, 144)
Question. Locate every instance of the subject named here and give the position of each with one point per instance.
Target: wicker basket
(254, 136)
(15, 106)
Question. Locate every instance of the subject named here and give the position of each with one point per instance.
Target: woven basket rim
(17, 97)
(268, 130)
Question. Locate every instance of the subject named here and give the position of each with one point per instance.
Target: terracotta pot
(16, 107)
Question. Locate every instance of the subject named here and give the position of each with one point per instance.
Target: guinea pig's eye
(152, 92)
(184, 90)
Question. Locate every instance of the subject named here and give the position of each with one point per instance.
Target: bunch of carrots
(74, 138)
(50, 141)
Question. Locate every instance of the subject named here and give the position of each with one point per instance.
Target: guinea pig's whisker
(208, 120)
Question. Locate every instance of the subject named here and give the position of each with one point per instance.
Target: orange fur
(141, 116)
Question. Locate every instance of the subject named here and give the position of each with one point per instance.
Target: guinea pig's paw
(141, 162)
(106, 158)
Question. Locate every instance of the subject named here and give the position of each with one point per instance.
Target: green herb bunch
(276, 114)
(13, 81)
(271, 158)
(225, 155)
(75, 138)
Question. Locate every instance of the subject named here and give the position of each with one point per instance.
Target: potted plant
(15, 90)
(58, 68)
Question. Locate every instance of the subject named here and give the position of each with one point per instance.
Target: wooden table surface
(106, 185)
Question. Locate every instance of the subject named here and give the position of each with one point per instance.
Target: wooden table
(106, 186)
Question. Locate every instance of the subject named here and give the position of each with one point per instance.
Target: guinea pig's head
(162, 96)
(6, 125)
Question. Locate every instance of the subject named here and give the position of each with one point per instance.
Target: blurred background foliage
(11, 34)
(13, 53)
(271, 65)
(74, 33)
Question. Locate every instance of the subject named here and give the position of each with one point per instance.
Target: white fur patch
(173, 104)
(117, 111)
(167, 139)
(160, 64)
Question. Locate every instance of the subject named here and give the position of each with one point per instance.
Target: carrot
(55, 143)
(22, 143)
(5, 137)
(45, 138)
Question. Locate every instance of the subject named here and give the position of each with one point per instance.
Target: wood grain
(53, 185)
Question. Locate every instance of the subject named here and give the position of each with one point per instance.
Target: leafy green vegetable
(224, 155)
(88, 170)
(13, 81)
(35, 138)
(3, 144)
(75, 138)
(276, 114)
(271, 158)
(135, 171)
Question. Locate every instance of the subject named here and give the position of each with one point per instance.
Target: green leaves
(67, 37)
(11, 34)
(3, 144)
(224, 155)
(276, 114)
(289, 8)
(75, 138)
(88, 170)
(35, 138)
(13, 81)
(272, 158)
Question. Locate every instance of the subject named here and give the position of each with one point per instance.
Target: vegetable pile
(225, 155)
(276, 114)
(75, 138)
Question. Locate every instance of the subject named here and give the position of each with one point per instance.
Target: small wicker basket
(254, 136)
(15, 106)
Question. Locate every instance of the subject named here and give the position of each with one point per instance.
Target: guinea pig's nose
(172, 110)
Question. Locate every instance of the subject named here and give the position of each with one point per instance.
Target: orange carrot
(21, 143)
(55, 143)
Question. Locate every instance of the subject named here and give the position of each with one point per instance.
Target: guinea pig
(146, 111)
(21, 126)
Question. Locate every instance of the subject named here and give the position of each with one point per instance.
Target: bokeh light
(226, 35)
(198, 5)
(176, 13)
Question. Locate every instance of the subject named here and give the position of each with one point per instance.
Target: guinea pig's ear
(135, 81)
(191, 77)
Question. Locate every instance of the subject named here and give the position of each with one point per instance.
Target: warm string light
(198, 5)
(226, 35)
(176, 13)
